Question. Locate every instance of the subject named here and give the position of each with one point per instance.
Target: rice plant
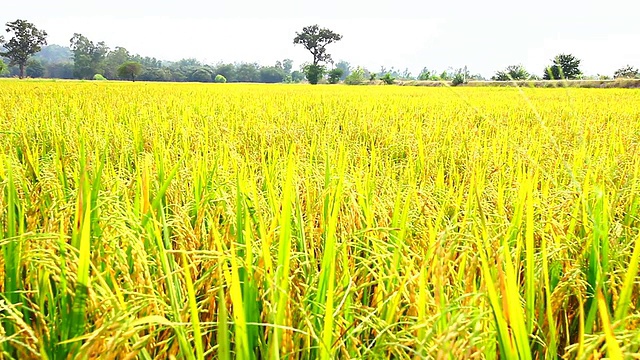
(226, 221)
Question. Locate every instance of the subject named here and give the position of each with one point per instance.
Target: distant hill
(54, 54)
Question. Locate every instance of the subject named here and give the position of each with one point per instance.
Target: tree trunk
(21, 71)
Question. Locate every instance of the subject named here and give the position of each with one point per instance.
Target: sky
(485, 36)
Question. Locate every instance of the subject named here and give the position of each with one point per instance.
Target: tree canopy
(512, 72)
(316, 39)
(627, 72)
(129, 70)
(565, 66)
(26, 41)
(88, 57)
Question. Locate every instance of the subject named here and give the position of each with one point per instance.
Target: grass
(228, 221)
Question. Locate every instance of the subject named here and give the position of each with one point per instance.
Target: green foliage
(285, 65)
(297, 76)
(345, 67)
(627, 72)
(356, 77)
(316, 39)
(428, 75)
(201, 74)
(512, 73)
(99, 77)
(458, 79)
(335, 75)
(35, 69)
(247, 72)
(388, 79)
(372, 76)
(129, 70)
(220, 79)
(88, 57)
(3, 68)
(53, 54)
(228, 71)
(271, 75)
(314, 73)
(26, 41)
(113, 60)
(156, 74)
(565, 66)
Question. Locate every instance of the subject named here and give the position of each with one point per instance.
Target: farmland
(288, 221)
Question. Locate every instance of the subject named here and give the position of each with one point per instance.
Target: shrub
(220, 79)
(99, 77)
(388, 79)
(356, 77)
(313, 73)
(335, 75)
(458, 79)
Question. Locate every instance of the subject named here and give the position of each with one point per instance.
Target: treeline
(86, 59)
(26, 53)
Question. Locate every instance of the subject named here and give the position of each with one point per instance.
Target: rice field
(231, 221)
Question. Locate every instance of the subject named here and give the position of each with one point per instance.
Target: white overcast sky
(484, 35)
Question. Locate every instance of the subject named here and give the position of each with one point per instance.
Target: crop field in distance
(234, 221)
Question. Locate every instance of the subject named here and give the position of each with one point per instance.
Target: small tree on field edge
(565, 66)
(335, 75)
(627, 72)
(512, 73)
(130, 70)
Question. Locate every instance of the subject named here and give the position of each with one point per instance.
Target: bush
(220, 79)
(388, 79)
(335, 75)
(356, 77)
(314, 73)
(99, 77)
(458, 79)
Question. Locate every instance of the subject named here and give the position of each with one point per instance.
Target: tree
(247, 73)
(388, 79)
(285, 65)
(113, 60)
(335, 75)
(226, 70)
(271, 74)
(59, 70)
(565, 66)
(314, 73)
(129, 70)
(345, 67)
(3, 67)
(427, 74)
(26, 41)
(627, 72)
(316, 39)
(512, 72)
(34, 69)
(202, 74)
(88, 57)
(356, 77)
(220, 79)
(297, 76)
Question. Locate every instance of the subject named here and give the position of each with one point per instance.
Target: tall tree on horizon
(88, 57)
(26, 41)
(316, 39)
